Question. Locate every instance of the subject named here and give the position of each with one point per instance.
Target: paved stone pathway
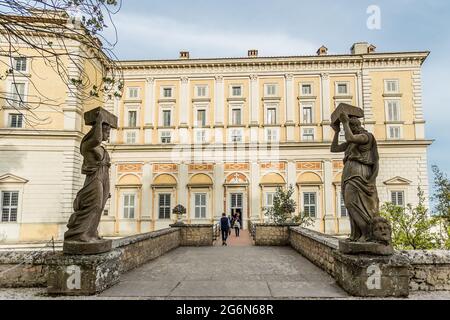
(227, 272)
(244, 239)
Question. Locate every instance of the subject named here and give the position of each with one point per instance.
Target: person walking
(225, 227)
(237, 225)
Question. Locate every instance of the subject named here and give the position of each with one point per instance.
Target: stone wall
(315, 246)
(429, 270)
(139, 249)
(266, 234)
(192, 235)
(20, 269)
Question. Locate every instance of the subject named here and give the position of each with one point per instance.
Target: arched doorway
(236, 196)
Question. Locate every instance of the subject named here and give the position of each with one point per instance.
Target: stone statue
(361, 165)
(91, 199)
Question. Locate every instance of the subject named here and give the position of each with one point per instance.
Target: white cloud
(156, 36)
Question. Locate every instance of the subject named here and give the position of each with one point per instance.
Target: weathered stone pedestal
(81, 248)
(372, 248)
(372, 276)
(78, 275)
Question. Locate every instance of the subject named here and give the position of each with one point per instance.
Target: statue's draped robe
(359, 188)
(90, 200)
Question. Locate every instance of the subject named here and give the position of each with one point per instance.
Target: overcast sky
(213, 28)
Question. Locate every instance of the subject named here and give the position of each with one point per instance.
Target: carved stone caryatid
(370, 233)
(82, 236)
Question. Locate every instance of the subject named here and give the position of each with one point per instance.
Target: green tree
(441, 195)
(412, 227)
(283, 208)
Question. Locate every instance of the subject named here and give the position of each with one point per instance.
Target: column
(146, 190)
(255, 192)
(183, 179)
(329, 217)
(219, 109)
(73, 110)
(149, 109)
(115, 110)
(292, 179)
(419, 122)
(326, 107)
(290, 107)
(359, 90)
(254, 108)
(184, 110)
(369, 120)
(219, 178)
(113, 190)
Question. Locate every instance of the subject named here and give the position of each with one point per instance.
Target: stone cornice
(282, 146)
(289, 63)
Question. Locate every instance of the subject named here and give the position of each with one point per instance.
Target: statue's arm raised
(349, 136)
(97, 135)
(335, 146)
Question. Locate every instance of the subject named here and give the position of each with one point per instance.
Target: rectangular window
(398, 198)
(391, 86)
(133, 93)
(308, 134)
(342, 134)
(394, 132)
(306, 89)
(166, 137)
(236, 117)
(15, 120)
(269, 199)
(271, 116)
(342, 207)
(200, 136)
(342, 88)
(393, 110)
(164, 206)
(200, 205)
(236, 135)
(307, 116)
(236, 91)
(20, 64)
(129, 206)
(201, 118)
(201, 91)
(10, 205)
(271, 90)
(310, 204)
(272, 135)
(236, 201)
(17, 94)
(131, 137)
(167, 115)
(132, 119)
(167, 92)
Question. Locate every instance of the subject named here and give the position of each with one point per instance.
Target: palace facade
(214, 135)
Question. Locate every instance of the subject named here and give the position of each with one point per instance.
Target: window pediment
(397, 181)
(11, 178)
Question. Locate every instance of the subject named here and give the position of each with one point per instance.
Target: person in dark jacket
(225, 227)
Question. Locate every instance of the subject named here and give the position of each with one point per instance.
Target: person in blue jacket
(225, 227)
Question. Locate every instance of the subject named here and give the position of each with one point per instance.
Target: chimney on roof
(322, 51)
(252, 53)
(184, 54)
(362, 48)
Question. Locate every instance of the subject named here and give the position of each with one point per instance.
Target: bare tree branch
(66, 35)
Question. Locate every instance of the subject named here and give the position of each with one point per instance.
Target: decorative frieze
(309, 165)
(129, 168)
(277, 166)
(338, 165)
(201, 167)
(236, 167)
(165, 167)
